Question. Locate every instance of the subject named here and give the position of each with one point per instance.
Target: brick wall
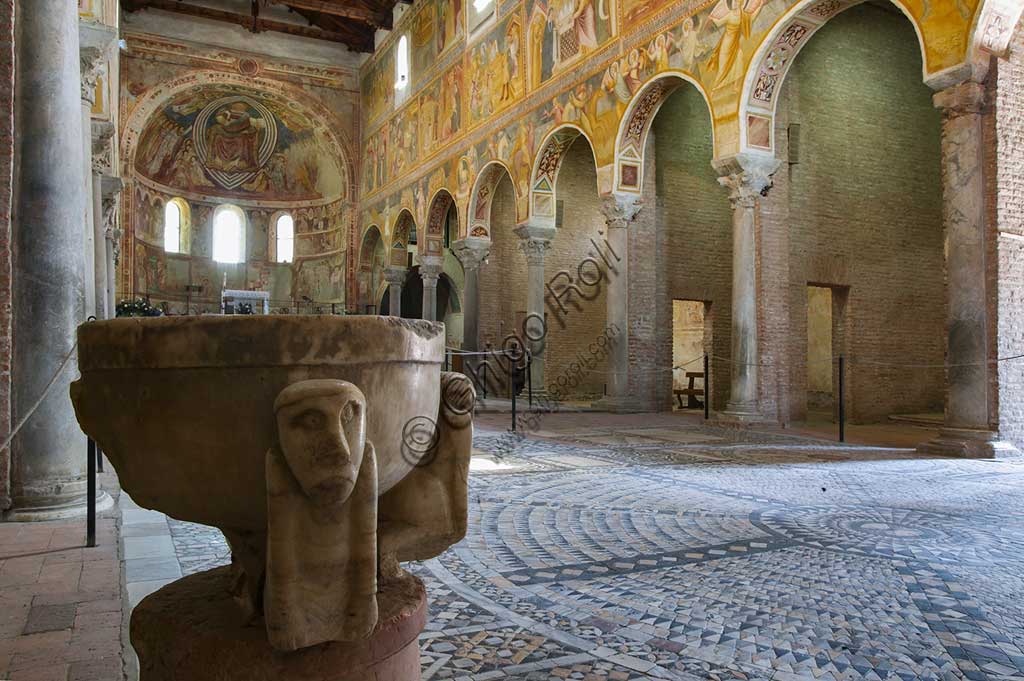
(696, 221)
(503, 278)
(864, 210)
(6, 168)
(582, 221)
(1007, 79)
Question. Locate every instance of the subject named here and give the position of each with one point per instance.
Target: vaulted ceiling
(351, 22)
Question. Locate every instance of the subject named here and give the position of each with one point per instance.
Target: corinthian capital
(472, 251)
(620, 211)
(746, 177)
(91, 60)
(535, 240)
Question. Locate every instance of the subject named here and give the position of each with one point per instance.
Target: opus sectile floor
(683, 552)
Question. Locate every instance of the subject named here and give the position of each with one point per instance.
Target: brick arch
(545, 171)
(403, 226)
(478, 223)
(368, 244)
(432, 242)
(771, 63)
(636, 124)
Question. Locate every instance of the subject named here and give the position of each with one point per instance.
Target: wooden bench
(691, 392)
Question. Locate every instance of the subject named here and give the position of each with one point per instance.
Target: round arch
(482, 198)
(369, 246)
(404, 226)
(636, 125)
(544, 178)
(440, 206)
(771, 63)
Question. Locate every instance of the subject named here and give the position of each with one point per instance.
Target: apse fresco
(231, 141)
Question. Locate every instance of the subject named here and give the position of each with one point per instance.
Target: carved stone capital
(535, 240)
(91, 60)
(395, 276)
(472, 251)
(102, 135)
(747, 177)
(964, 98)
(620, 211)
(431, 267)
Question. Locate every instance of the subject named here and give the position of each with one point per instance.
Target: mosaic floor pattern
(694, 553)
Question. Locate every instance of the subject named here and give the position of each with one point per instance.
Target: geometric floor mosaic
(695, 553)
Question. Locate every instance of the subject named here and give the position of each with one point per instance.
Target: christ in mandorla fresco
(727, 60)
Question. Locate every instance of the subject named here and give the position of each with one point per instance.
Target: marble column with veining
(619, 213)
(471, 252)
(431, 267)
(968, 428)
(746, 179)
(535, 241)
(395, 276)
(48, 454)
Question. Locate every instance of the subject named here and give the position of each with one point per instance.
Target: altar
(230, 299)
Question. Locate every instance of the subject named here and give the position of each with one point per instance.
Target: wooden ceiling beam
(356, 41)
(377, 19)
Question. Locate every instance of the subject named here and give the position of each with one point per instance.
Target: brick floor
(61, 604)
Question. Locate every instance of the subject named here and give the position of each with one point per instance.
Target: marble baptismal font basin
(328, 450)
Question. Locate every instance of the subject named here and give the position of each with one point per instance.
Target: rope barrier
(46, 391)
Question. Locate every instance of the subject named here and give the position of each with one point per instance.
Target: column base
(618, 404)
(193, 629)
(60, 511)
(969, 443)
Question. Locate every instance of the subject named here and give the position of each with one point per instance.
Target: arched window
(402, 63)
(284, 238)
(172, 227)
(229, 234)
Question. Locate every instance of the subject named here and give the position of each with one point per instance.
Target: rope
(46, 391)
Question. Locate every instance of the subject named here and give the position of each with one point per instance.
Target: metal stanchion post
(90, 518)
(484, 381)
(529, 376)
(707, 388)
(99, 459)
(842, 402)
(512, 389)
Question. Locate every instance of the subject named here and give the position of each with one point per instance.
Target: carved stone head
(321, 427)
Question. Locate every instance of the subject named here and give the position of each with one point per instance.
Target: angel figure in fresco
(658, 52)
(687, 46)
(736, 17)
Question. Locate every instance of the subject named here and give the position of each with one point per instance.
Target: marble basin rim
(183, 406)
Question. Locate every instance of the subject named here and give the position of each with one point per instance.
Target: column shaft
(48, 455)
(535, 243)
(395, 276)
(969, 430)
(430, 271)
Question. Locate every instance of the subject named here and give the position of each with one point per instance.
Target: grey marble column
(471, 252)
(395, 276)
(619, 213)
(430, 271)
(48, 455)
(535, 240)
(969, 427)
(746, 179)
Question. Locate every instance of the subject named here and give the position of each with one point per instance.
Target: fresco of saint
(736, 17)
